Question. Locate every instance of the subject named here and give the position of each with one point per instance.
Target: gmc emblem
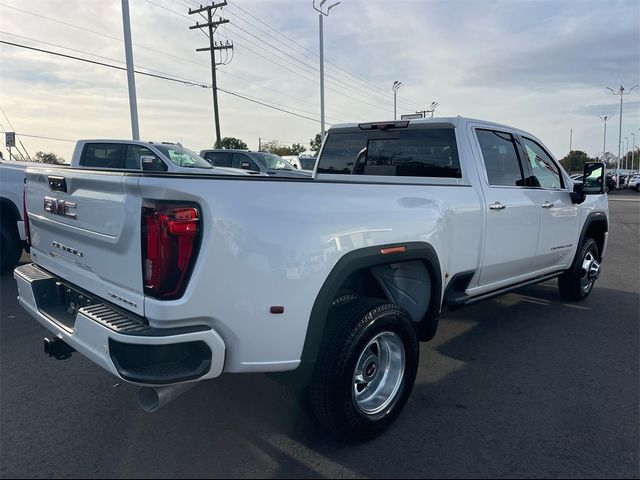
(59, 207)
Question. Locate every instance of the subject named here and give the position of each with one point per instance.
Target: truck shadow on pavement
(525, 385)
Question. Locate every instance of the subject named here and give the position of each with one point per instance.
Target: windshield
(273, 162)
(183, 157)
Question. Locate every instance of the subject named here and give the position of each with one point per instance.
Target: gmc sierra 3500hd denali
(330, 281)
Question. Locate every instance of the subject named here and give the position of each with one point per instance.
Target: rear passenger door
(512, 215)
(559, 221)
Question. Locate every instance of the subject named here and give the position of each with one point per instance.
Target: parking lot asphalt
(525, 385)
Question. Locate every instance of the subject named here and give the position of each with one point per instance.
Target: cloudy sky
(538, 65)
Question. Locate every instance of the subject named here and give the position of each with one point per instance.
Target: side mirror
(593, 182)
(152, 164)
(245, 166)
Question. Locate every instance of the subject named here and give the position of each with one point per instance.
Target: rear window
(425, 152)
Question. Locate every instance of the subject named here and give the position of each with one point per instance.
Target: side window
(500, 158)
(218, 159)
(104, 155)
(240, 158)
(545, 171)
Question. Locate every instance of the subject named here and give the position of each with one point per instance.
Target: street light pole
(128, 53)
(633, 150)
(322, 14)
(622, 94)
(604, 141)
(626, 152)
(396, 86)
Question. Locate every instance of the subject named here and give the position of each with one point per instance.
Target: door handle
(497, 206)
(547, 205)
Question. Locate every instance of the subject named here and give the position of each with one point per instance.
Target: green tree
(277, 148)
(316, 143)
(233, 143)
(49, 157)
(297, 149)
(575, 160)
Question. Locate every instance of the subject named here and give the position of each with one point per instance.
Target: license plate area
(59, 302)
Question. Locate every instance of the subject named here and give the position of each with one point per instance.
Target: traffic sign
(10, 139)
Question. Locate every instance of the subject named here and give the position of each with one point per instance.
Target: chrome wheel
(378, 373)
(589, 272)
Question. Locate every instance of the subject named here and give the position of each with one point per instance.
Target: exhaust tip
(153, 399)
(149, 400)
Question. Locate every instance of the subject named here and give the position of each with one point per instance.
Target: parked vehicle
(142, 156)
(609, 179)
(634, 183)
(124, 155)
(327, 283)
(257, 162)
(12, 234)
(301, 162)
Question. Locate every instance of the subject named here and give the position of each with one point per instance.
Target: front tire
(577, 282)
(366, 368)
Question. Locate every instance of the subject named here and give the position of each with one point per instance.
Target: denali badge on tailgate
(59, 207)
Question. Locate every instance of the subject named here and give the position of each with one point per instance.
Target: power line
(350, 89)
(82, 51)
(141, 46)
(162, 77)
(101, 34)
(44, 138)
(335, 66)
(289, 59)
(174, 56)
(176, 76)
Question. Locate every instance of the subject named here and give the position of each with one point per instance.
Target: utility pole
(604, 142)
(212, 48)
(622, 94)
(131, 79)
(321, 15)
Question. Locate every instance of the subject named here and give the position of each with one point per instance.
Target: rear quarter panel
(268, 242)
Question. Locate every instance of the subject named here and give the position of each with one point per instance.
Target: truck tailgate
(85, 228)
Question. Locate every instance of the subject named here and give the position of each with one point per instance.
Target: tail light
(25, 218)
(170, 239)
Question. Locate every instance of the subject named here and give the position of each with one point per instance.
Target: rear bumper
(119, 342)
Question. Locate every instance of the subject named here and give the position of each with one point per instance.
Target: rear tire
(10, 246)
(366, 368)
(577, 282)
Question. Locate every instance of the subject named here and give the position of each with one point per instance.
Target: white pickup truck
(166, 280)
(126, 155)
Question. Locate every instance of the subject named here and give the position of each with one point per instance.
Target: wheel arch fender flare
(593, 218)
(358, 260)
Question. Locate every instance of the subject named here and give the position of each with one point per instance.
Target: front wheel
(366, 368)
(577, 282)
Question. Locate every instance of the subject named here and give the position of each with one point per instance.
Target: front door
(512, 215)
(559, 222)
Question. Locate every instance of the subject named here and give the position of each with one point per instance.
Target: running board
(463, 301)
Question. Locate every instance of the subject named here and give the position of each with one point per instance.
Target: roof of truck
(455, 121)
